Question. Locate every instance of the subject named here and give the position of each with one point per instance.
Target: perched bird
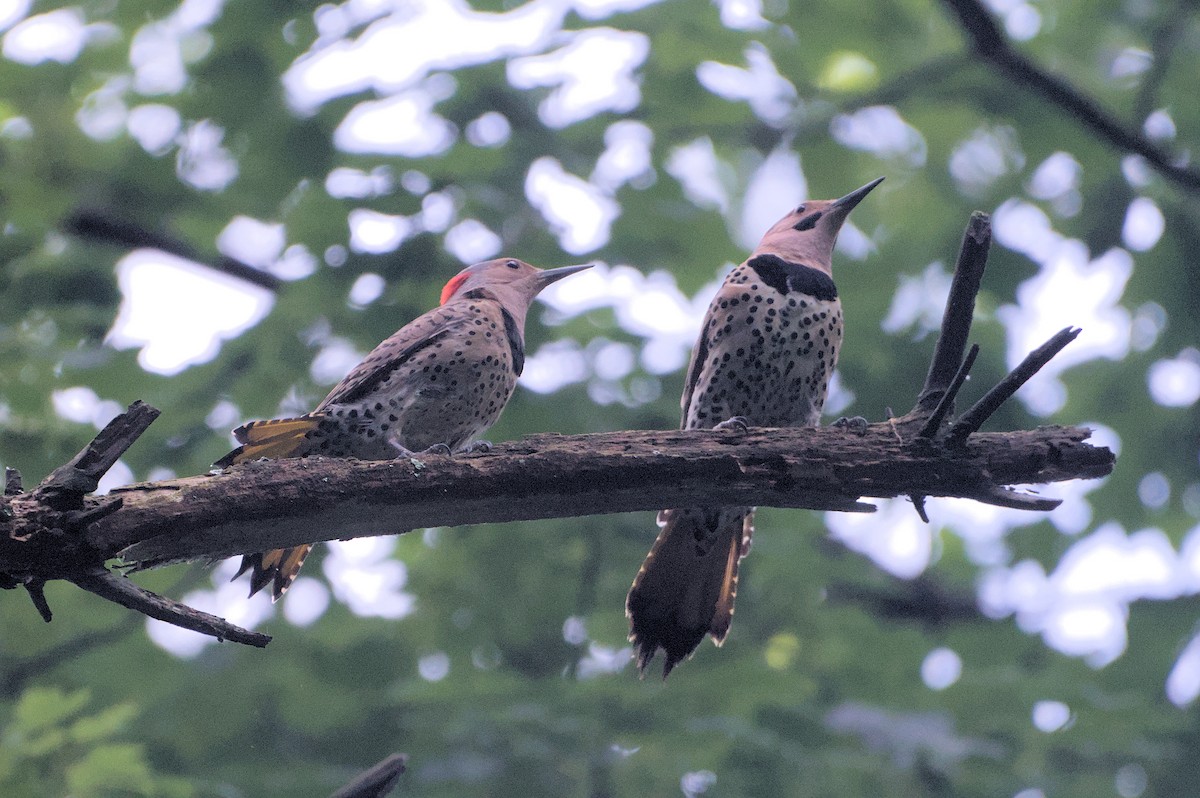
(437, 383)
(767, 349)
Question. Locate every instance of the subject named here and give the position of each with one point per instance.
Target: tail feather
(687, 586)
(274, 439)
(281, 437)
(277, 568)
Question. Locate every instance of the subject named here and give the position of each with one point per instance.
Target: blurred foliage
(810, 695)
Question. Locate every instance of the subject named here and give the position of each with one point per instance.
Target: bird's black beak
(847, 203)
(553, 275)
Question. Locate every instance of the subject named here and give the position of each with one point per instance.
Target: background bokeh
(219, 207)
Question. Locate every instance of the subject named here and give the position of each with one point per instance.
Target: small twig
(66, 486)
(377, 781)
(122, 591)
(947, 401)
(960, 309)
(919, 505)
(982, 410)
(1007, 497)
(35, 588)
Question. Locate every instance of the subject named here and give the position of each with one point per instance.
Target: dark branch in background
(990, 43)
(15, 673)
(58, 532)
(377, 781)
(1162, 47)
(98, 226)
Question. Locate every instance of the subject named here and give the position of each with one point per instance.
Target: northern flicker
(438, 382)
(766, 352)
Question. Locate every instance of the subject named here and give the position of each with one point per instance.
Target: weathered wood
(280, 503)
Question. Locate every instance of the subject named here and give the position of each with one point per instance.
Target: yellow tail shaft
(278, 438)
(281, 437)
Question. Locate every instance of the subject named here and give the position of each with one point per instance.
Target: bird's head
(808, 232)
(511, 282)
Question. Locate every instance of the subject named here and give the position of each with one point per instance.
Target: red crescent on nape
(452, 286)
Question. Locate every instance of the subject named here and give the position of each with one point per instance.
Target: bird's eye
(808, 222)
(512, 264)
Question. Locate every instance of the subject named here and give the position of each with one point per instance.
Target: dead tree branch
(58, 531)
(377, 781)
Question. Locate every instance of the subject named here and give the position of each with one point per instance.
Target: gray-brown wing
(419, 334)
(700, 350)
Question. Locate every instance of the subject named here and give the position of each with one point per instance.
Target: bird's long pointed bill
(553, 275)
(848, 202)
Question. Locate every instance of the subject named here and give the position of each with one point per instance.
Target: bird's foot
(477, 447)
(403, 453)
(735, 423)
(858, 425)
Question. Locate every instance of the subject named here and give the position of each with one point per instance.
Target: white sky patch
(334, 361)
(1130, 62)
(1176, 382)
(366, 289)
(602, 660)
(491, 129)
(1159, 125)
(984, 157)
(154, 127)
(1082, 607)
(378, 233)
(102, 115)
(881, 131)
(434, 667)
(771, 96)
(305, 602)
(893, 537)
(941, 668)
(1183, 682)
(776, 187)
(345, 182)
(919, 302)
(202, 162)
(742, 14)
(554, 366)
(83, 406)
(1144, 225)
(1154, 490)
(367, 579)
(160, 50)
(579, 213)
(1057, 180)
(626, 157)
(1094, 288)
(252, 241)
(398, 51)
(178, 312)
(471, 241)
(403, 124)
(696, 166)
(1050, 716)
(592, 74)
(437, 211)
(12, 11)
(54, 36)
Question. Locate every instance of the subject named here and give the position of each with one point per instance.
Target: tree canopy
(218, 208)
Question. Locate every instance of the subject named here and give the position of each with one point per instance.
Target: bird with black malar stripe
(766, 352)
